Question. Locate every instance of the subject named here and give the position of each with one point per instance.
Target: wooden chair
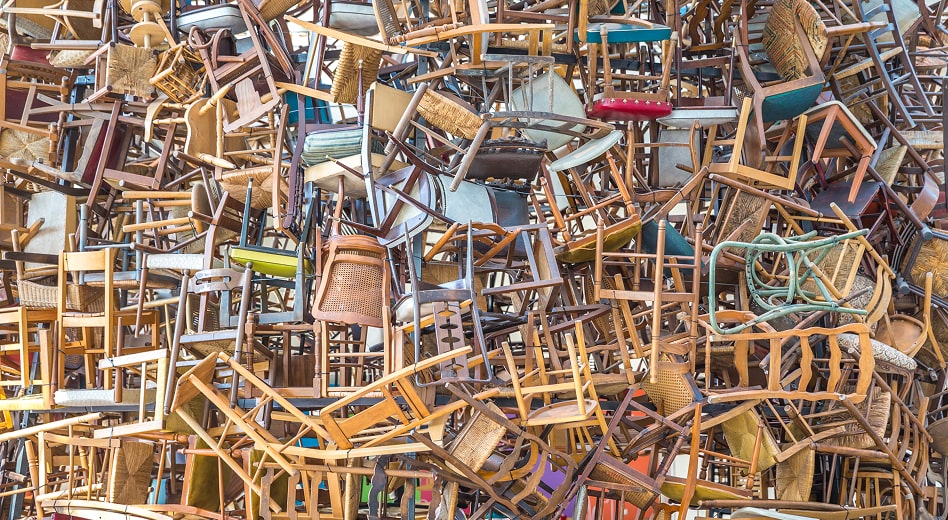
(26, 135)
(655, 258)
(73, 25)
(333, 437)
(588, 185)
(468, 23)
(79, 268)
(833, 379)
(353, 290)
(450, 116)
(778, 169)
(267, 62)
(643, 96)
(872, 78)
(571, 421)
(794, 53)
(836, 133)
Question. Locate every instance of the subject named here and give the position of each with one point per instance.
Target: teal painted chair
(790, 41)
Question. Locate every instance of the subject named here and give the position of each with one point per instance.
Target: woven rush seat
(924, 139)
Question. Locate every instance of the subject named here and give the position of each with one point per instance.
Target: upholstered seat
(880, 351)
(626, 33)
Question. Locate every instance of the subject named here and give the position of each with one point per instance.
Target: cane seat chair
(354, 289)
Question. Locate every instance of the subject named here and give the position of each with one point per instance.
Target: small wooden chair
(569, 420)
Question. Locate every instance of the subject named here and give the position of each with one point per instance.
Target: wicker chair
(353, 290)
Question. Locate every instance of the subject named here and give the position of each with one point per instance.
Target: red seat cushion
(621, 109)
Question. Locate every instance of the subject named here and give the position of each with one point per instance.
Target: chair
(793, 52)
(140, 380)
(443, 309)
(467, 22)
(827, 380)
(72, 24)
(778, 169)
(568, 419)
(282, 275)
(805, 288)
(353, 290)
(588, 186)
(887, 74)
(452, 117)
(645, 96)
(674, 270)
(836, 133)
(212, 316)
(264, 64)
(341, 160)
(26, 135)
(331, 437)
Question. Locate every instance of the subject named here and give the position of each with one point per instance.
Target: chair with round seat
(576, 413)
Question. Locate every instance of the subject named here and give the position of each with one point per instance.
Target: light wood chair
(75, 268)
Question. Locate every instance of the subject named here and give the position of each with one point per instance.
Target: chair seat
(704, 116)
(674, 488)
(626, 33)
(272, 263)
(587, 152)
(334, 142)
(191, 262)
(787, 105)
(353, 18)
(325, 175)
(756, 512)
(584, 250)
(559, 413)
(880, 351)
(100, 397)
(628, 109)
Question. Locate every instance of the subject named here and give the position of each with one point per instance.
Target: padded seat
(325, 175)
(586, 153)
(880, 351)
(628, 109)
(626, 33)
(269, 262)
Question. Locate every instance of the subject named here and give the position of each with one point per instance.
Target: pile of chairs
(286, 259)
